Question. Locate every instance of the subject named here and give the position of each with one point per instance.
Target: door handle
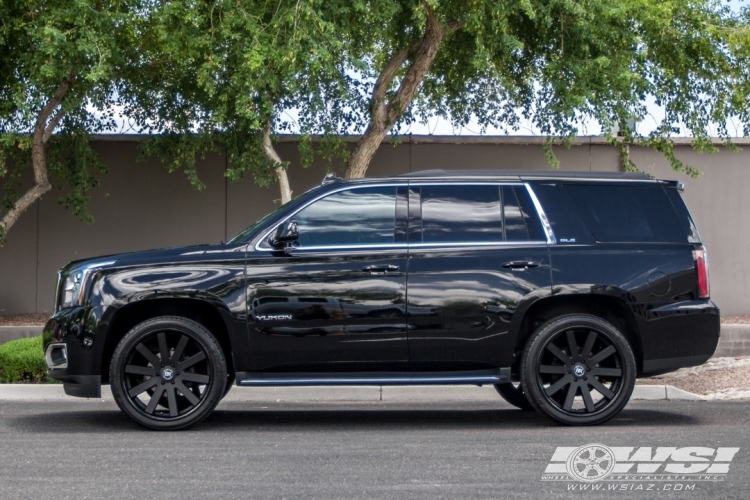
(520, 265)
(380, 268)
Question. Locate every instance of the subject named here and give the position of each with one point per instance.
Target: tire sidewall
(514, 396)
(530, 362)
(197, 333)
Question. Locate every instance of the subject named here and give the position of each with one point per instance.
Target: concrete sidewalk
(462, 393)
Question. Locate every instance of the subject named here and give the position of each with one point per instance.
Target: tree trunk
(384, 114)
(286, 192)
(42, 132)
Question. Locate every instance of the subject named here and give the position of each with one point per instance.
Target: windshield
(295, 201)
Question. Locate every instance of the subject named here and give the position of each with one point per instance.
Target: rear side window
(478, 213)
(627, 213)
(453, 214)
(531, 222)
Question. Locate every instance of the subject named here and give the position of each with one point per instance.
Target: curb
(8, 333)
(734, 341)
(374, 394)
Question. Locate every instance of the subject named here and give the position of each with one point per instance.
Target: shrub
(22, 360)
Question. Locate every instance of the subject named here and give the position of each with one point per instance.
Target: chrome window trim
(551, 240)
(540, 213)
(476, 244)
(397, 246)
(383, 246)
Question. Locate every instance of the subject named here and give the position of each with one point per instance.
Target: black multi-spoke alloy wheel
(578, 369)
(168, 373)
(512, 393)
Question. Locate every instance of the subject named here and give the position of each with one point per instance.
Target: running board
(262, 379)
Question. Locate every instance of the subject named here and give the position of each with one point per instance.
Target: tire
(578, 370)
(231, 377)
(513, 394)
(168, 373)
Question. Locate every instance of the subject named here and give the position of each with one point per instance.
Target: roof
(526, 174)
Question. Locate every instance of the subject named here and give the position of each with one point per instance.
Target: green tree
(555, 63)
(221, 74)
(372, 67)
(60, 64)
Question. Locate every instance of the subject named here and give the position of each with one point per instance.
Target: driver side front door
(336, 299)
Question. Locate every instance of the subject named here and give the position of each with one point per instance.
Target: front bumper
(70, 353)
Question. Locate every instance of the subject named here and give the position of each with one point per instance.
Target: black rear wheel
(513, 394)
(578, 370)
(168, 373)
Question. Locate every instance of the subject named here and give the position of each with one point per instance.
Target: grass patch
(22, 360)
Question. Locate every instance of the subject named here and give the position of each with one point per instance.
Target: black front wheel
(168, 373)
(513, 393)
(578, 369)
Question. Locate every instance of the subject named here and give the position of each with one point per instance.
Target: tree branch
(382, 115)
(42, 131)
(53, 124)
(281, 175)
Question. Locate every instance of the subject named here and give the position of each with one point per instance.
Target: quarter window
(626, 213)
(362, 216)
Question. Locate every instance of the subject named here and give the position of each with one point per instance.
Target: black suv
(558, 288)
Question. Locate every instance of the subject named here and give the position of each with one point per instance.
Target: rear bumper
(679, 335)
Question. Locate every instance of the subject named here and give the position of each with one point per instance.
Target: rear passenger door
(476, 253)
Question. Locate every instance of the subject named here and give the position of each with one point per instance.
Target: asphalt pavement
(88, 449)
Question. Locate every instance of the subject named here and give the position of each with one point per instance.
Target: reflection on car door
(476, 251)
(339, 296)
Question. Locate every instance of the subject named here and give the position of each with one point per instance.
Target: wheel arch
(610, 308)
(131, 314)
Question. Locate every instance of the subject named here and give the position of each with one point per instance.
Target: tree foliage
(225, 75)
(221, 73)
(59, 64)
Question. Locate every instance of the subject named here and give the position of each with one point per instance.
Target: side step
(480, 377)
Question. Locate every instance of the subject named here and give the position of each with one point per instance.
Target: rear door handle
(380, 268)
(520, 265)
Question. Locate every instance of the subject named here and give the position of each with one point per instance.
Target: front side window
(358, 217)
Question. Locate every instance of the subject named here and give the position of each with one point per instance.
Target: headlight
(73, 286)
(71, 292)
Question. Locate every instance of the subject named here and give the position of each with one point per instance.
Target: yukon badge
(272, 317)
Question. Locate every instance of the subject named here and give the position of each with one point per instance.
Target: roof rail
(331, 178)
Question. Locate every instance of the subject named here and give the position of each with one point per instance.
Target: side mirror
(284, 234)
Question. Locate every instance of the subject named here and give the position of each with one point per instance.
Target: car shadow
(316, 417)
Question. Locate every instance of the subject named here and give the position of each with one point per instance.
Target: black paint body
(406, 307)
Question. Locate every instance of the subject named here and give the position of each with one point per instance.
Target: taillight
(701, 268)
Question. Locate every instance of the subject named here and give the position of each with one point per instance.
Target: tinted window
(515, 226)
(363, 216)
(567, 225)
(461, 214)
(626, 213)
(530, 217)
(688, 226)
